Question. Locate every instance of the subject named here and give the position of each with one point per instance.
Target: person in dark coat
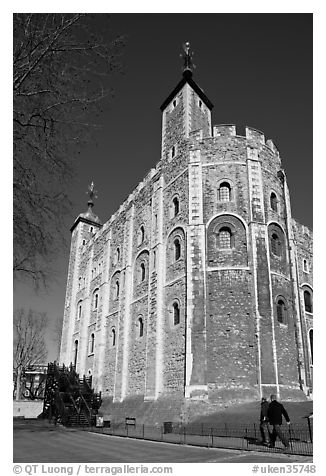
(264, 422)
(274, 415)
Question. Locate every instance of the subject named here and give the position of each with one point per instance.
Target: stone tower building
(200, 286)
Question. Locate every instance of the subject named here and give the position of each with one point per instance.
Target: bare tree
(29, 343)
(61, 65)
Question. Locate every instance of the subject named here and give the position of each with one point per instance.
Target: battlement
(224, 130)
(230, 130)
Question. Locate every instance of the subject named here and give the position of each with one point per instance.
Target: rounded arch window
(79, 310)
(75, 352)
(92, 343)
(140, 327)
(95, 300)
(307, 295)
(117, 255)
(117, 289)
(276, 246)
(113, 337)
(224, 238)
(141, 235)
(142, 272)
(176, 206)
(177, 249)
(176, 313)
(281, 311)
(273, 201)
(224, 192)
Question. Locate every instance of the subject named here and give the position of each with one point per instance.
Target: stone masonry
(199, 288)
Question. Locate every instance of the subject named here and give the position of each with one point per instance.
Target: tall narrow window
(224, 238)
(91, 344)
(307, 301)
(113, 337)
(79, 311)
(79, 282)
(154, 259)
(142, 272)
(177, 249)
(95, 301)
(117, 255)
(275, 244)
(173, 151)
(175, 206)
(311, 344)
(117, 289)
(176, 314)
(141, 327)
(224, 192)
(280, 311)
(141, 234)
(273, 202)
(305, 266)
(75, 353)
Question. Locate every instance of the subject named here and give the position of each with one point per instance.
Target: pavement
(62, 445)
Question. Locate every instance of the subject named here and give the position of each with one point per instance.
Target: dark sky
(255, 68)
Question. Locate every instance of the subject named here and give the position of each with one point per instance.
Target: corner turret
(89, 216)
(186, 109)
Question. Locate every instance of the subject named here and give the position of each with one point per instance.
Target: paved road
(69, 446)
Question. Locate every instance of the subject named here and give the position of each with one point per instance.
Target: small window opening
(75, 353)
(273, 200)
(224, 192)
(176, 314)
(113, 337)
(224, 238)
(280, 311)
(117, 289)
(311, 344)
(176, 208)
(142, 234)
(142, 272)
(173, 151)
(305, 266)
(95, 301)
(177, 249)
(141, 327)
(275, 244)
(92, 341)
(307, 301)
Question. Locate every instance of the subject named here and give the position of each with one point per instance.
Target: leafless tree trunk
(29, 344)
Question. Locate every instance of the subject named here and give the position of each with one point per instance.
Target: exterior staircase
(68, 399)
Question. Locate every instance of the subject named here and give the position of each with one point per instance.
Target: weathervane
(188, 65)
(92, 194)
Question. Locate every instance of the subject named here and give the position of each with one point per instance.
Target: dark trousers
(278, 432)
(264, 432)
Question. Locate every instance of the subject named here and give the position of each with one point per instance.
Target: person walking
(274, 415)
(264, 422)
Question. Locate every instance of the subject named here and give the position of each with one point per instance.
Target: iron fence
(224, 436)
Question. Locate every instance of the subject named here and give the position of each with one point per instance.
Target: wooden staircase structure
(68, 399)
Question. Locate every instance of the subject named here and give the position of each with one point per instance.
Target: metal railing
(224, 436)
